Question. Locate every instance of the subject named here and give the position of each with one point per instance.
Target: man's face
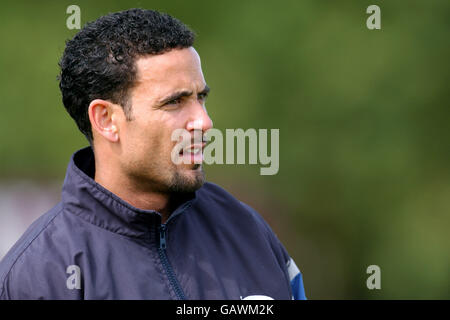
(169, 94)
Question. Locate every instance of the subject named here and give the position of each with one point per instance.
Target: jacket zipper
(166, 264)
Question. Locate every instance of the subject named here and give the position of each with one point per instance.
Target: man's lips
(193, 149)
(193, 153)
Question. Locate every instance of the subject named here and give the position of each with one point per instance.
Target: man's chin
(189, 180)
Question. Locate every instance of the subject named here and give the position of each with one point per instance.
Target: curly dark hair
(99, 62)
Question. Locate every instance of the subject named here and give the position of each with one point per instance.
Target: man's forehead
(154, 67)
(169, 71)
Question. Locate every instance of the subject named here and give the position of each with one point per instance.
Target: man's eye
(202, 96)
(173, 102)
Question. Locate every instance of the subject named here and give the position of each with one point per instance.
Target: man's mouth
(193, 153)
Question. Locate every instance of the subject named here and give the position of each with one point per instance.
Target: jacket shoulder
(218, 201)
(10, 260)
(215, 196)
(240, 225)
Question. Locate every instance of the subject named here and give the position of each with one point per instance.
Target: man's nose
(200, 119)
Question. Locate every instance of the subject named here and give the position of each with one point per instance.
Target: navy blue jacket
(94, 245)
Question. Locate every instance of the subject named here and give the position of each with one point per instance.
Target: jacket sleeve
(296, 280)
(293, 272)
(3, 294)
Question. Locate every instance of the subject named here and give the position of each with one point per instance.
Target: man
(132, 224)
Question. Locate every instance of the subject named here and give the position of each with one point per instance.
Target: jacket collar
(83, 196)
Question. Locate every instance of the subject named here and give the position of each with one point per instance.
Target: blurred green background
(363, 116)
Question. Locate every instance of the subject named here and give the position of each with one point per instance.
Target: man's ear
(103, 119)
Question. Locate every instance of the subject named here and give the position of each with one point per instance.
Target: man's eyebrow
(174, 96)
(180, 94)
(205, 90)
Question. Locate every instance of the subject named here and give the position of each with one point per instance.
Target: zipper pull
(162, 237)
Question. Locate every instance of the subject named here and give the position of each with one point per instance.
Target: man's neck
(139, 197)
